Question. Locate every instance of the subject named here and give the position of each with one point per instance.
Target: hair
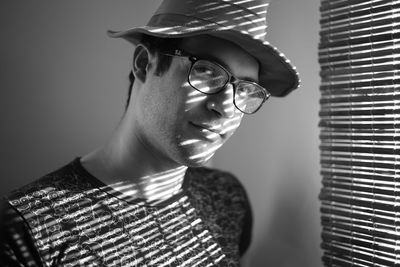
(155, 45)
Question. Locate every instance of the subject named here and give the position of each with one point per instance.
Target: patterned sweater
(70, 218)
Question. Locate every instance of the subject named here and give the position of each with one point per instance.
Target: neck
(130, 167)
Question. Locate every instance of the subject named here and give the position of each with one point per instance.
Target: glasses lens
(249, 97)
(207, 77)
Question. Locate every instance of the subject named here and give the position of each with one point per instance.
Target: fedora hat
(242, 22)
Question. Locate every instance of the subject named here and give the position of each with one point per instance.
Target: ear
(141, 62)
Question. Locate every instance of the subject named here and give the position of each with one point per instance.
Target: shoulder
(218, 192)
(214, 178)
(48, 197)
(48, 186)
(42, 208)
(17, 247)
(214, 181)
(221, 200)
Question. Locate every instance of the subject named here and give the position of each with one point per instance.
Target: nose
(222, 102)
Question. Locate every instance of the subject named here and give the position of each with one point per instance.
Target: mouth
(208, 129)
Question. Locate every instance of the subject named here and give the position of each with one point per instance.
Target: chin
(198, 163)
(193, 161)
(197, 153)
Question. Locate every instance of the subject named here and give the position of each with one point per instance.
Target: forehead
(235, 59)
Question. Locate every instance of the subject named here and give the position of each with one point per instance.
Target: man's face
(177, 122)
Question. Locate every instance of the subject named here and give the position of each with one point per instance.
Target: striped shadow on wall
(359, 55)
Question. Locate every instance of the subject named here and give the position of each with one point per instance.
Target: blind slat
(361, 40)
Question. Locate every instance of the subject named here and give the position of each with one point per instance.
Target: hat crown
(245, 16)
(242, 22)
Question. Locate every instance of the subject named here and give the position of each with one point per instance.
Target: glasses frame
(231, 78)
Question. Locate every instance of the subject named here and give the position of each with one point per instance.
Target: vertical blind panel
(359, 56)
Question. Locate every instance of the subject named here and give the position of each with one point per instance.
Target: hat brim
(276, 73)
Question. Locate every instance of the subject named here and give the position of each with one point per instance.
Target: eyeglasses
(211, 78)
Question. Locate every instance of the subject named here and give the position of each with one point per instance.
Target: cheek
(163, 109)
(231, 125)
(193, 97)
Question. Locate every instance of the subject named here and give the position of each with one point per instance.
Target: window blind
(359, 55)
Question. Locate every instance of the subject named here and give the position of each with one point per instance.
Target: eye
(248, 90)
(205, 70)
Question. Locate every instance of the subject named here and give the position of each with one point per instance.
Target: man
(143, 198)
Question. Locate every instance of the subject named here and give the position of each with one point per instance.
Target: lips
(209, 127)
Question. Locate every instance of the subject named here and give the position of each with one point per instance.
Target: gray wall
(63, 87)
(63, 81)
